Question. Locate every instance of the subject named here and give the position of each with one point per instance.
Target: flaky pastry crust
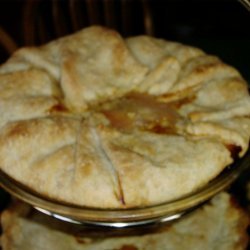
(97, 120)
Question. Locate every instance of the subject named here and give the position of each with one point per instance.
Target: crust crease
(108, 165)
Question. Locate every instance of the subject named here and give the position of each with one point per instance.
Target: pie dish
(100, 121)
(149, 216)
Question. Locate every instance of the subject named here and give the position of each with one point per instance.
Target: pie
(94, 119)
(219, 224)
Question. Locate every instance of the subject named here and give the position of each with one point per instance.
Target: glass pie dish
(124, 218)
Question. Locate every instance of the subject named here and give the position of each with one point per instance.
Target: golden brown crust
(97, 120)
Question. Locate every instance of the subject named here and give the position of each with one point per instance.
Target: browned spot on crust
(18, 129)
(159, 129)
(203, 68)
(128, 247)
(178, 104)
(184, 94)
(58, 108)
(87, 170)
(234, 150)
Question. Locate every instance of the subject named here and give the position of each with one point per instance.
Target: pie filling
(141, 112)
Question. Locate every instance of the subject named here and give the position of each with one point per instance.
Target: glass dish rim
(166, 211)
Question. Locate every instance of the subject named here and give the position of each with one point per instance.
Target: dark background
(220, 27)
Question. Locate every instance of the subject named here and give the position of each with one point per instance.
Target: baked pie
(97, 120)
